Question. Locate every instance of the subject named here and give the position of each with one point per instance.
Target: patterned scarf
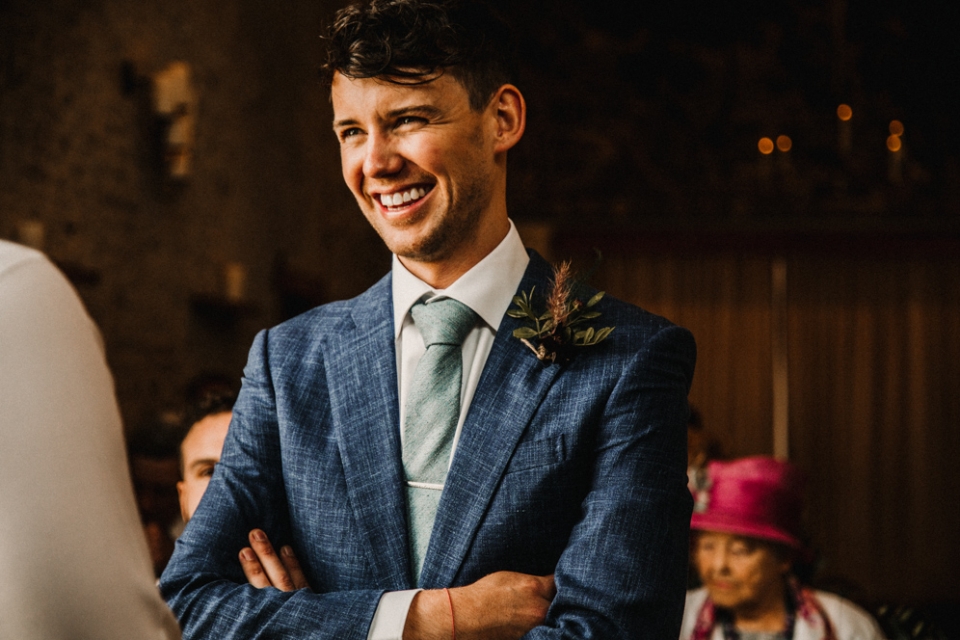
(805, 605)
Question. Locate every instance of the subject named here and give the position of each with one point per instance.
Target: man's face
(740, 573)
(420, 162)
(201, 452)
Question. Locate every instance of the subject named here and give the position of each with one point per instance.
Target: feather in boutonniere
(563, 324)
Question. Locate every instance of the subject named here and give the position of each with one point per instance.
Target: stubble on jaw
(461, 215)
(459, 225)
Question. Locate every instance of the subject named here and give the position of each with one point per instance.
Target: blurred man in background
(206, 424)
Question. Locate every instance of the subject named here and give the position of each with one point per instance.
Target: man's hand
(501, 606)
(264, 568)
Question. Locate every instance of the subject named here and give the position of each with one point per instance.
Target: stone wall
(79, 154)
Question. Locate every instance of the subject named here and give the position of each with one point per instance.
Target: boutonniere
(564, 324)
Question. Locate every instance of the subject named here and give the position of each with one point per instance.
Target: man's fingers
(293, 567)
(274, 568)
(252, 569)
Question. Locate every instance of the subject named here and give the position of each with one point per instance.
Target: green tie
(432, 413)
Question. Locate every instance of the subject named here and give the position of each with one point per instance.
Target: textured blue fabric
(432, 413)
(577, 470)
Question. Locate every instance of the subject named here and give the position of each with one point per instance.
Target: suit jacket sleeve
(204, 583)
(622, 573)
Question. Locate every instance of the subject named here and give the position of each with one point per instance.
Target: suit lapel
(362, 374)
(511, 387)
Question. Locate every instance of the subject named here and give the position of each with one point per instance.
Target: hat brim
(710, 522)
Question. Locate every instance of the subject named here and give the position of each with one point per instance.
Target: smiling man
(434, 478)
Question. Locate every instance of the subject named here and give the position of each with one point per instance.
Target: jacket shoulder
(635, 327)
(332, 315)
(539, 275)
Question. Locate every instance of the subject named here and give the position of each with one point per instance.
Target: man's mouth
(397, 200)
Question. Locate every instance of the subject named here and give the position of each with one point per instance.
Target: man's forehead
(354, 97)
(208, 431)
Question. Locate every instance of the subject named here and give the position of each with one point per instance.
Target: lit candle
(844, 130)
(784, 144)
(895, 160)
(765, 146)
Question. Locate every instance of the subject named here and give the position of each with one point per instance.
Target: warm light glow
(893, 143)
(896, 128)
(766, 146)
(844, 112)
(784, 143)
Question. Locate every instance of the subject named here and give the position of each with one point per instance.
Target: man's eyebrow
(419, 109)
(203, 462)
(344, 123)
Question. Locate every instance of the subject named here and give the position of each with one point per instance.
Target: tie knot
(444, 321)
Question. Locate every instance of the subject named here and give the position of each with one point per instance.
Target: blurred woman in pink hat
(746, 536)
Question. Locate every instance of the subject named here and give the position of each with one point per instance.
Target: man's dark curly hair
(416, 41)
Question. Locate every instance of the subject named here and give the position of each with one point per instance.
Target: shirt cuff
(391, 615)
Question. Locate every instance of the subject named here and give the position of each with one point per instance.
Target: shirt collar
(487, 288)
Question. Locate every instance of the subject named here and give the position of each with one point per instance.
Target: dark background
(651, 112)
(644, 120)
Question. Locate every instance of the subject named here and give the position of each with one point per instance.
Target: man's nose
(381, 158)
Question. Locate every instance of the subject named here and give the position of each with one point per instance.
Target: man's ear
(511, 115)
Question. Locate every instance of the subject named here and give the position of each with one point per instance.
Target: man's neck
(442, 273)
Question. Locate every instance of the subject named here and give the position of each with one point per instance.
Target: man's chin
(423, 248)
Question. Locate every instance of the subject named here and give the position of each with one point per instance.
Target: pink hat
(758, 497)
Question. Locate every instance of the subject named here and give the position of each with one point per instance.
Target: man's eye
(206, 472)
(405, 120)
(349, 133)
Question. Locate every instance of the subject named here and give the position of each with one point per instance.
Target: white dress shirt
(488, 289)
(73, 557)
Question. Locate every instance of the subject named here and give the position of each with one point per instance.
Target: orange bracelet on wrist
(453, 620)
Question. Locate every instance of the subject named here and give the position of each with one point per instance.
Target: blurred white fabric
(73, 559)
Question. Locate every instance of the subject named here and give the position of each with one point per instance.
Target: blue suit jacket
(575, 469)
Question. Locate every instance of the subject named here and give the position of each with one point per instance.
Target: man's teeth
(396, 199)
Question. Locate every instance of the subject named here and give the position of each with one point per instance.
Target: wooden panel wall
(875, 418)
(725, 302)
(874, 409)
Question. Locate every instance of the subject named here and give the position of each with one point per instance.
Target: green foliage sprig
(552, 333)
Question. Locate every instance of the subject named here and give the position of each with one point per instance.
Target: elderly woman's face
(740, 573)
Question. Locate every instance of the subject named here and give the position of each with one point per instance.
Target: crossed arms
(519, 600)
